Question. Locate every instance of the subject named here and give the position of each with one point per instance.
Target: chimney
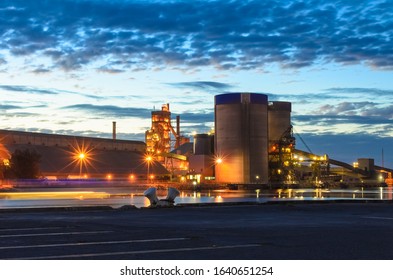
(178, 125)
(114, 131)
(177, 144)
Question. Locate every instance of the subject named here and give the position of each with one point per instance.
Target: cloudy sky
(74, 66)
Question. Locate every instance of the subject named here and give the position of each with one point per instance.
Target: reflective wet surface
(118, 196)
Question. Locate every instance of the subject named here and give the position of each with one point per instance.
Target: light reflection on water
(116, 199)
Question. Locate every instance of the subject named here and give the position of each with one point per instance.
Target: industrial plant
(252, 146)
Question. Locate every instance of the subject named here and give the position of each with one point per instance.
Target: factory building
(241, 138)
(73, 157)
(165, 144)
(281, 142)
(158, 137)
(9, 137)
(252, 141)
(252, 144)
(202, 160)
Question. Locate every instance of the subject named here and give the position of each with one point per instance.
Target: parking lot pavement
(282, 231)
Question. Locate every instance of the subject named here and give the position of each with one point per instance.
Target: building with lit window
(65, 156)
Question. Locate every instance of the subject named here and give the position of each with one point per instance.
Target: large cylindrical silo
(203, 144)
(241, 138)
(279, 119)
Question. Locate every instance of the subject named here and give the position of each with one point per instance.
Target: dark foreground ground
(279, 231)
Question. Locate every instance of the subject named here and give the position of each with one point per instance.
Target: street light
(81, 157)
(81, 154)
(218, 160)
(148, 159)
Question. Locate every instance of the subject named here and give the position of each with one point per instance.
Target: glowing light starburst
(149, 159)
(218, 159)
(82, 156)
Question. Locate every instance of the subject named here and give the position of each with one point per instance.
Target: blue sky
(73, 67)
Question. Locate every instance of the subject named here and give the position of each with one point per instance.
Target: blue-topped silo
(241, 138)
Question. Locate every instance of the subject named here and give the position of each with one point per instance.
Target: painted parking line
(378, 218)
(54, 233)
(94, 243)
(25, 229)
(139, 252)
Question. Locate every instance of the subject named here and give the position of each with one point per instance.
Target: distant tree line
(23, 164)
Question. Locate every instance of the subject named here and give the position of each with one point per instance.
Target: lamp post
(148, 160)
(217, 161)
(81, 157)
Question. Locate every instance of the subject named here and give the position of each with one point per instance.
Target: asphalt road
(302, 231)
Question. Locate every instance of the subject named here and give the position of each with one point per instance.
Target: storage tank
(203, 144)
(279, 119)
(366, 164)
(241, 138)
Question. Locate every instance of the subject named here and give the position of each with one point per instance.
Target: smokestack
(178, 125)
(177, 144)
(114, 130)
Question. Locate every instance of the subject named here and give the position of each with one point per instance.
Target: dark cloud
(39, 91)
(41, 71)
(27, 89)
(373, 111)
(109, 110)
(190, 101)
(21, 114)
(360, 91)
(197, 117)
(332, 95)
(348, 108)
(207, 86)
(329, 120)
(225, 34)
(8, 107)
(373, 117)
(116, 111)
(110, 70)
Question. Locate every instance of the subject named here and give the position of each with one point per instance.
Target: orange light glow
(218, 159)
(56, 195)
(82, 156)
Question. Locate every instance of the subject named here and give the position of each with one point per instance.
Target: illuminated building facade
(72, 157)
(281, 142)
(241, 138)
(158, 139)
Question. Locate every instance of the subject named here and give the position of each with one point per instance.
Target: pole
(148, 171)
(80, 169)
(113, 131)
